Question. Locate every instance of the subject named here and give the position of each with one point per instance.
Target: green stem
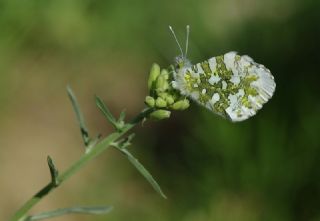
(95, 151)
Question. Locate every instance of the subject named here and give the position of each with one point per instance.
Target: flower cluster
(162, 96)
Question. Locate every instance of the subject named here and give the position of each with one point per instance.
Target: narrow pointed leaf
(120, 122)
(53, 171)
(122, 115)
(93, 143)
(80, 118)
(143, 171)
(130, 137)
(127, 141)
(106, 112)
(98, 210)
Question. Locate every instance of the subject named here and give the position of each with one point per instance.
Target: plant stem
(95, 151)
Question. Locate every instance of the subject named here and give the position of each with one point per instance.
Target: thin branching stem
(21, 214)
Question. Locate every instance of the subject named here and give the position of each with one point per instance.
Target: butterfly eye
(179, 62)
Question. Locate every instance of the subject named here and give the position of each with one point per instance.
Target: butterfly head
(181, 61)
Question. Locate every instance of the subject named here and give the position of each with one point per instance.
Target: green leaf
(142, 170)
(98, 210)
(120, 123)
(122, 116)
(80, 118)
(93, 143)
(106, 112)
(53, 171)
(124, 142)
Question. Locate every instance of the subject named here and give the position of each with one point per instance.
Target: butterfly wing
(230, 85)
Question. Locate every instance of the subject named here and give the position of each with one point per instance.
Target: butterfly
(230, 85)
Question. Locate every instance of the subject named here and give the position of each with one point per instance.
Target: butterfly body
(230, 85)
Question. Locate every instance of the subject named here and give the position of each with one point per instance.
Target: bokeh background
(266, 168)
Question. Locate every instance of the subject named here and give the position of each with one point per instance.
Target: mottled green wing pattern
(230, 85)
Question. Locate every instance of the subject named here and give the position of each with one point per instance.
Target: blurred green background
(266, 168)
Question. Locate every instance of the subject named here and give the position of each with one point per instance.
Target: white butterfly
(230, 85)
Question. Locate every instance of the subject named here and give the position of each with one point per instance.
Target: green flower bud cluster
(162, 96)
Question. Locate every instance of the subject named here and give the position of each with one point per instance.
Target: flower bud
(181, 105)
(154, 73)
(149, 101)
(169, 99)
(160, 114)
(162, 83)
(165, 74)
(160, 102)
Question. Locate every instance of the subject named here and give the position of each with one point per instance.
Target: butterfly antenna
(175, 37)
(187, 40)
